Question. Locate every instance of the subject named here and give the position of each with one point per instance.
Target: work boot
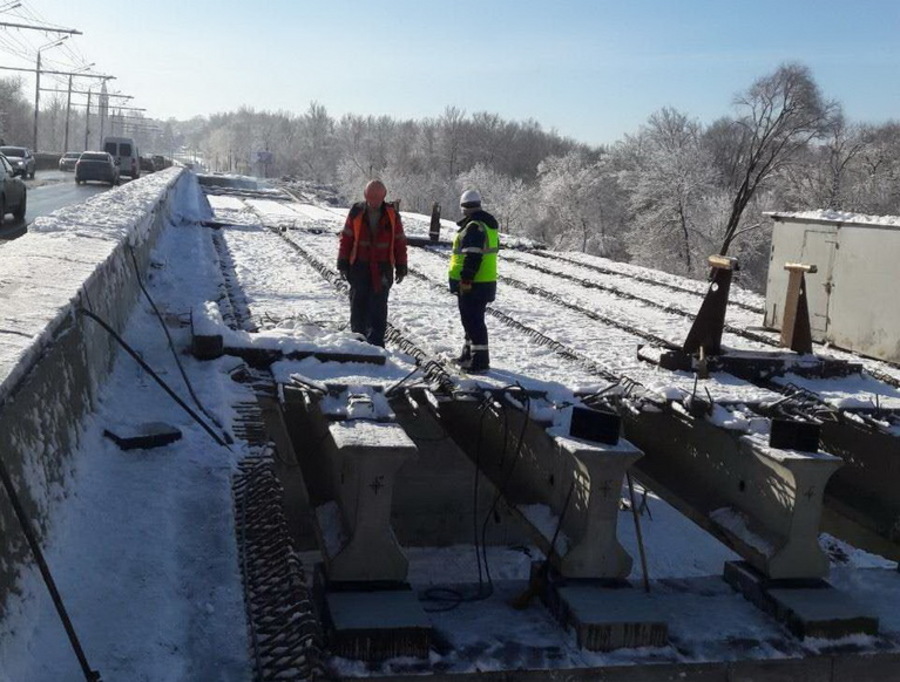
(481, 362)
(465, 356)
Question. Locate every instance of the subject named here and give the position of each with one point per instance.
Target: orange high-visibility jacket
(358, 244)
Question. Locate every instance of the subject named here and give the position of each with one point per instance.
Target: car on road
(67, 161)
(147, 164)
(97, 166)
(21, 158)
(13, 192)
(125, 153)
(160, 162)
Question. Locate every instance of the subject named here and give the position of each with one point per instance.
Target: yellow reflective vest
(479, 238)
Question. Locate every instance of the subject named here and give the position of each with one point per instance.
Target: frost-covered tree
(318, 146)
(16, 114)
(877, 166)
(506, 198)
(670, 183)
(777, 117)
(822, 175)
(451, 139)
(576, 194)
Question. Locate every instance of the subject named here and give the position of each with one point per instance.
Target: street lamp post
(37, 87)
(69, 102)
(87, 120)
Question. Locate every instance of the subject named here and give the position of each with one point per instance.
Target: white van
(125, 153)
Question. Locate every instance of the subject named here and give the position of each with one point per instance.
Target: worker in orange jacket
(372, 254)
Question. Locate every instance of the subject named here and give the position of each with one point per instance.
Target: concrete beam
(763, 502)
(366, 460)
(553, 480)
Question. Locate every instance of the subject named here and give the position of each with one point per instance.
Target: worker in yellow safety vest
(473, 277)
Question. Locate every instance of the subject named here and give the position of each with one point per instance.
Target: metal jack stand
(706, 332)
(705, 337)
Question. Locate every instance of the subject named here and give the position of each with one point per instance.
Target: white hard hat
(471, 198)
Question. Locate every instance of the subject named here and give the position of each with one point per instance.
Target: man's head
(375, 193)
(470, 201)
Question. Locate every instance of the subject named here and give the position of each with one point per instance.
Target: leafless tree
(778, 116)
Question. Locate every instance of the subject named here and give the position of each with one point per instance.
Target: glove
(465, 286)
(343, 267)
(400, 272)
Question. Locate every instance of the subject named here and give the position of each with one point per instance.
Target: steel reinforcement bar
(285, 633)
(637, 278)
(738, 331)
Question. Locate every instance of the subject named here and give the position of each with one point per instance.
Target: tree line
(667, 196)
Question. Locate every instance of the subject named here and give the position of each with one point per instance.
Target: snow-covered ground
(144, 551)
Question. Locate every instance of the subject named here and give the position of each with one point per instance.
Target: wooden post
(795, 329)
(434, 231)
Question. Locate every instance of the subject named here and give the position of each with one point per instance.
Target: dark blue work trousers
(368, 307)
(471, 313)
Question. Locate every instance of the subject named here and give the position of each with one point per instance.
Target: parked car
(67, 161)
(97, 166)
(21, 158)
(13, 192)
(147, 165)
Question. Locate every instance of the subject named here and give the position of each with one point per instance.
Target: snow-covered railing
(52, 358)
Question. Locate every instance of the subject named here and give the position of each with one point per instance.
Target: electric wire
(128, 349)
(450, 597)
(30, 537)
(171, 344)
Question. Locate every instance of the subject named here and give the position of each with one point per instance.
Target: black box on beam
(595, 425)
(789, 434)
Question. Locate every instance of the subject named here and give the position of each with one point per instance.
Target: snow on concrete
(43, 271)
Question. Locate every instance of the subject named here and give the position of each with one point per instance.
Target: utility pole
(87, 115)
(37, 84)
(59, 73)
(69, 104)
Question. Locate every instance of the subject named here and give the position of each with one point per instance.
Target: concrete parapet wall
(53, 359)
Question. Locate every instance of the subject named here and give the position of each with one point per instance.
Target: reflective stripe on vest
(360, 223)
(487, 271)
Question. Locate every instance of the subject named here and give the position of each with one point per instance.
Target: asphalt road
(49, 191)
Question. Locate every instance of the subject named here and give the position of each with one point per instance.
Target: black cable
(89, 675)
(190, 388)
(149, 370)
(453, 597)
(501, 490)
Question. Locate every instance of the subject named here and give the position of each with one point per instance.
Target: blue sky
(593, 70)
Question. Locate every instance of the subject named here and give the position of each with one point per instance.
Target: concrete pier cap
(355, 465)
